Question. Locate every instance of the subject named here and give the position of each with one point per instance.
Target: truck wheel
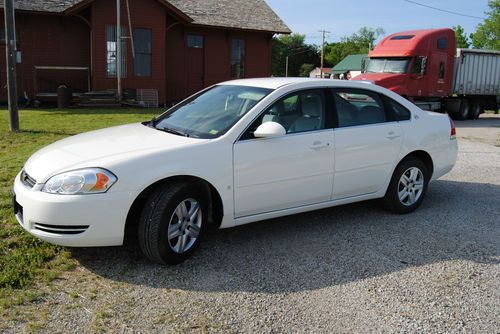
(172, 223)
(464, 110)
(407, 187)
(476, 110)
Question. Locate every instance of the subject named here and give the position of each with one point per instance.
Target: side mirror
(269, 130)
(423, 69)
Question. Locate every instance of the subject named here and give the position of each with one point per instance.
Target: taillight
(453, 131)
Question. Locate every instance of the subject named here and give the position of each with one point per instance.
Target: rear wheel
(172, 223)
(476, 110)
(407, 187)
(463, 110)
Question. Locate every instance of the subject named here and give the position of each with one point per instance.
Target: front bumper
(72, 220)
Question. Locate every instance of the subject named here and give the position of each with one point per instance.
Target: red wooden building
(177, 46)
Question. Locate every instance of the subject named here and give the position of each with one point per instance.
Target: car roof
(275, 83)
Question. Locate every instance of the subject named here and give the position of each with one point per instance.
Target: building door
(195, 62)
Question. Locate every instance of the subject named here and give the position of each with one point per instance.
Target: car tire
(408, 186)
(476, 110)
(170, 227)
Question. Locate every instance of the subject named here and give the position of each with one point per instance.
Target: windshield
(388, 65)
(212, 112)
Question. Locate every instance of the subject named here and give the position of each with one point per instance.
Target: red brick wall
(217, 53)
(144, 14)
(65, 41)
(48, 40)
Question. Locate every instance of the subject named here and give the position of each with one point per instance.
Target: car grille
(61, 229)
(27, 180)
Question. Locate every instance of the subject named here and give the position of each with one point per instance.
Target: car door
(289, 171)
(367, 143)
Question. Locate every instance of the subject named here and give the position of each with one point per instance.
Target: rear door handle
(316, 145)
(392, 135)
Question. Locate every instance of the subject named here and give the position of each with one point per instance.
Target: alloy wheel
(411, 186)
(185, 225)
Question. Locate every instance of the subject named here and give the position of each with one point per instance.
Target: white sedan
(235, 153)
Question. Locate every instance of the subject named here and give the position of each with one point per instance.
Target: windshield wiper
(174, 131)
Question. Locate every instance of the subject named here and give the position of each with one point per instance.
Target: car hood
(87, 149)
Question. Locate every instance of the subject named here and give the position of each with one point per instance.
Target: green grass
(24, 260)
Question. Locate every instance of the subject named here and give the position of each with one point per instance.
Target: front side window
(358, 107)
(299, 112)
(237, 58)
(388, 65)
(417, 65)
(142, 48)
(211, 113)
(111, 58)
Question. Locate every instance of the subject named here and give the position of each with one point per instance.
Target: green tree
(306, 69)
(357, 43)
(298, 52)
(487, 35)
(366, 37)
(461, 37)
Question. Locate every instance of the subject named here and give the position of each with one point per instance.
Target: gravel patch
(353, 268)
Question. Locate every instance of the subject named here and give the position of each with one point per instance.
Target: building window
(195, 41)
(442, 43)
(238, 58)
(142, 48)
(111, 52)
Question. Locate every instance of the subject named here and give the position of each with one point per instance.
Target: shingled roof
(243, 14)
(238, 14)
(51, 6)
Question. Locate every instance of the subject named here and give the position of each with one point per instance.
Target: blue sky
(344, 17)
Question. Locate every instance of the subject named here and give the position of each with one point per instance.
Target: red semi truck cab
(415, 64)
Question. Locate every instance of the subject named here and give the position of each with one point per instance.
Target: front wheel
(172, 223)
(407, 187)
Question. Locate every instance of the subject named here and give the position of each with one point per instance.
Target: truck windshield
(388, 65)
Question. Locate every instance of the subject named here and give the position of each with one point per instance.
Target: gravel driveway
(353, 268)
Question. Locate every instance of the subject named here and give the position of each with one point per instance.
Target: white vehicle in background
(235, 153)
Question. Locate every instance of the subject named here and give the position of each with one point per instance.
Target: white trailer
(476, 83)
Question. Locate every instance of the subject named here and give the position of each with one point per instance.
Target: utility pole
(10, 53)
(322, 51)
(286, 67)
(118, 52)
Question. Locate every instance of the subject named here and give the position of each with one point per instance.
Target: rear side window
(358, 107)
(442, 43)
(396, 111)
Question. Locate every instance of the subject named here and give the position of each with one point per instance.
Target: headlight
(81, 181)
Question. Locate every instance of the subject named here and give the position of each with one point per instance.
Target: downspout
(118, 53)
(89, 74)
(166, 66)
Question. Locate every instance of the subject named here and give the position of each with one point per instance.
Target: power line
(444, 10)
